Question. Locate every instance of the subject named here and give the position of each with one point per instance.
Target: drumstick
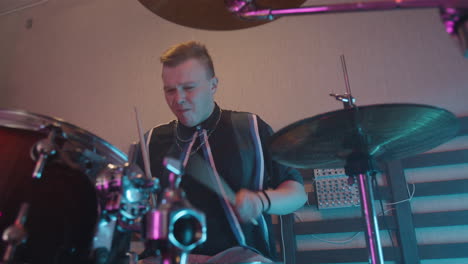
(204, 174)
(144, 154)
(144, 151)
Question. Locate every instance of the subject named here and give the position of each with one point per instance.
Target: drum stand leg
(372, 227)
(361, 165)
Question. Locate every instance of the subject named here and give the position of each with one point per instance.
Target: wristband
(268, 199)
(261, 200)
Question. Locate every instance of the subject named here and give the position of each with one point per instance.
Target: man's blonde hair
(182, 52)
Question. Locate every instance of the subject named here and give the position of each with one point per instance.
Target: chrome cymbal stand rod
(361, 165)
(347, 7)
(372, 227)
(347, 99)
(350, 100)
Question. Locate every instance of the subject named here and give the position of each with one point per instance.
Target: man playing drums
(233, 144)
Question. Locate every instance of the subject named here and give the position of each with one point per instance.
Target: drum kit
(63, 190)
(65, 193)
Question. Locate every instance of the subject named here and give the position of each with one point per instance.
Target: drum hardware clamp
(44, 148)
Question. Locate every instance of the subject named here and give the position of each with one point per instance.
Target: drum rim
(22, 119)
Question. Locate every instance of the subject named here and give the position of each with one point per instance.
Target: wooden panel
(339, 225)
(441, 251)
(441, 219)
(441, 188)
(436, 159)
(437, 251)
(463, 126)
(356, 224)
(340, 255)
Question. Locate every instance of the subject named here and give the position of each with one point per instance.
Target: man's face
(189, 91)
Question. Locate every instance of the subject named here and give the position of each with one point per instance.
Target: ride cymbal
(385, 132)
(210, 14)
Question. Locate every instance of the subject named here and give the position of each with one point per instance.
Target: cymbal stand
(361, 165)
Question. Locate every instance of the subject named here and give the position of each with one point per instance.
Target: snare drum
(63, 203)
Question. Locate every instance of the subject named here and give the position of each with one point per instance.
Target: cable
(329, 241)
(410, 195)
(337, 242)
(388, 210)
(298, 217)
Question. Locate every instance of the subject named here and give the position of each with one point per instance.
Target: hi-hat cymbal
(392, 131)
(210, 14)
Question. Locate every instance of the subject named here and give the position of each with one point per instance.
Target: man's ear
(214, 84)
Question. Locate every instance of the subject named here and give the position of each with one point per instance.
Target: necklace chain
(178, 138)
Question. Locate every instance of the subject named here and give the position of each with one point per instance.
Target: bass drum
(62, 201)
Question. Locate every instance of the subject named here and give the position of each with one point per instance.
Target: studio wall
(90, 62)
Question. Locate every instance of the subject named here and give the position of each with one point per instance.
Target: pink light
(449, 27)
(301, 10)
(155, 231)
(367, 217)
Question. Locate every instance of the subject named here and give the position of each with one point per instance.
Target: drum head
(63, 205)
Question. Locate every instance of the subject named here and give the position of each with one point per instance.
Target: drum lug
(45, 148)
(15, 234)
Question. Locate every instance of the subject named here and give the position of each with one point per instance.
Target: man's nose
(180, 97)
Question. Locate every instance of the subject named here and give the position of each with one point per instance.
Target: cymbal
(210, 14)
(392, 131)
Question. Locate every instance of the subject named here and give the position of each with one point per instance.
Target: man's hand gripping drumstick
(248, 204)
